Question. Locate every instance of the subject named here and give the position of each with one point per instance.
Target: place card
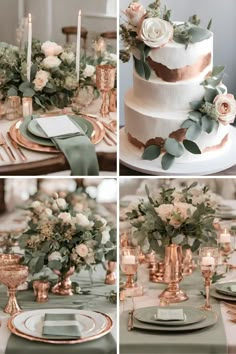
(170, 315)
(57, 126)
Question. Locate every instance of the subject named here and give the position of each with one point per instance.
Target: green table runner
(210, 340)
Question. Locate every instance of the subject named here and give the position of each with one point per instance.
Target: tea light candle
(225, 237)
(29, 49)
(208, 261)
(129, 259)
(27, 106)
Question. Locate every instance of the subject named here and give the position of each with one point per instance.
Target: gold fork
(7, 148)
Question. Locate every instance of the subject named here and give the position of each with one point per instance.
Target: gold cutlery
(231, 306)
(131, 320)
(7, 148)
(1, 158)
(110, 136)
(18, 149)
(107, 141)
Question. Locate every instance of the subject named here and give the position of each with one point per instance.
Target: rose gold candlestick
(105, 81)
(129, 264)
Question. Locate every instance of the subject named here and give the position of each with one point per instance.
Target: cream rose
(48, 212)
(36, 204)
(225, 108)
(135, 13)
(68, 57)
(51, 62)
(165, 211)
(66, 217)
(51, 48)
(82, 220)
(55, 256)
(71, 83)
(89, 70)
(61, 203)
(82, 250)
(155, 32)
(40, 80)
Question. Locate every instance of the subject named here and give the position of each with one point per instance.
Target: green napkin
(62, 326)
(232, 288)
(170, 315)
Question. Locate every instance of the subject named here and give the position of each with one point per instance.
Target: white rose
(155, 32)
(51, 48)
(225, 108)
(61, 203)
(89, 70)
(40, 80)
(68, 57)
(51, 62)
(66, 217)
(48, 212)
(82, 220)
(82, 250)
(55, 256)
(78, 207)
(105, 237)
(135, 13)
(165, 211)
(36, 204)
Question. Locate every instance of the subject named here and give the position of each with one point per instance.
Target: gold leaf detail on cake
(135, 141)
(156, 141)
(179, 134)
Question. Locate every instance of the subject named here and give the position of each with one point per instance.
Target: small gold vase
(41, 289)
(110, 275)
(64, 285)
(173, 274)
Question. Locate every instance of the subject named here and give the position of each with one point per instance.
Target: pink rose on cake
(135, 13)
(156, 33)
(225, 108)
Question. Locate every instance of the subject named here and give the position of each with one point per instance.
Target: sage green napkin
(170, 315)
(61, 325)
(79, 152)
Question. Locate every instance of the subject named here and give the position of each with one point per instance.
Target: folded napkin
(62, 326)
(170, 315)
(232, 288)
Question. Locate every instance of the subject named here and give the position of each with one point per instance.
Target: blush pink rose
(82, 250)
(225, 108)
(135, 13)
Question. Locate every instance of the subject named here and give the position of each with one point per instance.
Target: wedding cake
(178, 106)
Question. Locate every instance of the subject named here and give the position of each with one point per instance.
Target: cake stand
(130, 156)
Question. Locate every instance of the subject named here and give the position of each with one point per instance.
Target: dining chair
(72, 30)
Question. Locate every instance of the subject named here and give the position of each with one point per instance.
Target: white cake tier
(142, 124)
(165, 96)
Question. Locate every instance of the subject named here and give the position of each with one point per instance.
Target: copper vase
(110, 275)
(64, 285)
(41, 289)
(173, 274)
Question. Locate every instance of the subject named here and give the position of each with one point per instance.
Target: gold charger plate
(105, 331)
(97, 136)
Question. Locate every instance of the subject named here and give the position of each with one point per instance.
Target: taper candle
(78, 45)
(29, 48)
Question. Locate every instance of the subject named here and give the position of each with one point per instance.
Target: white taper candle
(29, 48)
(78, 45)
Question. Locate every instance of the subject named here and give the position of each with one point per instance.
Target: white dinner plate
(31, 322)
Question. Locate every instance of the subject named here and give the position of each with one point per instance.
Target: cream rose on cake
(155, 32)
(135, 13)
(51, 48)
(41, 80)
(225, 106)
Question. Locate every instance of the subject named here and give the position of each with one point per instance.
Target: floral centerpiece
(61, 238)
(150, 28)
(179, 216)
(53, 76)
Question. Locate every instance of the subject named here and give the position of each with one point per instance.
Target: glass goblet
(129, 264)
(226, 247)
(207, 263)
(105, 82)
(12, 276)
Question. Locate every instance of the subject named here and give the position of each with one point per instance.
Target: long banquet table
(10, 344)
(219, 338)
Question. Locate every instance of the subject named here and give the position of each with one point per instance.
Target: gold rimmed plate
(103, 331)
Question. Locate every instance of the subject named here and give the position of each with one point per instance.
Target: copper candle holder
(105, 81)
(129, 264)
(173, 274)
(110, 275)
(41, 289)
(14, 108)
(9, 259)
(27, 106)
(12, 276)
(64, 285)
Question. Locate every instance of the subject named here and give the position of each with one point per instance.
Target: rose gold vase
(173, 274)
(63, 286)
(110, 275)
(41, 289)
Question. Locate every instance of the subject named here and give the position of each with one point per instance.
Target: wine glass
(105, 81)
(226, 247)
(129, 264)
(12, 276)
(207, 262)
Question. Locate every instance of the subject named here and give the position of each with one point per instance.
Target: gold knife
(16, 146)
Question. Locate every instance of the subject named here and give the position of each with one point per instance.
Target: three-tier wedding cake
(178, 107)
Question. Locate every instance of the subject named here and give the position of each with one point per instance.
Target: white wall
(8, 20)
(224, 28)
